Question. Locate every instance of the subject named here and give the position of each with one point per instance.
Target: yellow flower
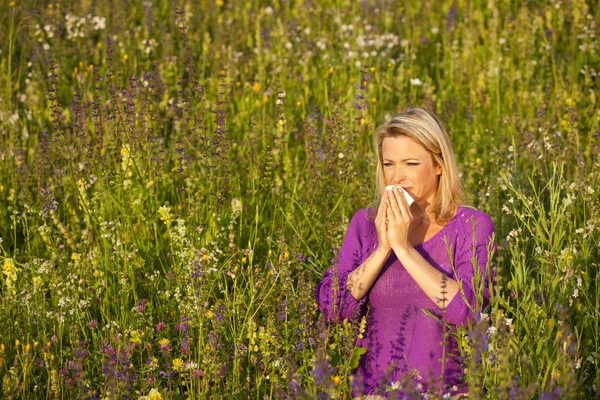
(163, 341)
(165, 213)
(124, 150)
(336, 379)
(256, 87)
(220, 3)
(125, 57)
(11, 4)
(177, 364)
(9, 267)
(372, 69)
(75, 257)
(136, 337)
(154, 395)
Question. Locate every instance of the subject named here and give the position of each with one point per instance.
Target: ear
(438, 169)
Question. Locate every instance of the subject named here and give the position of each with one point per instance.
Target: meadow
(176, 176)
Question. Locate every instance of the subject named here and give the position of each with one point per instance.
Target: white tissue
(408, 197)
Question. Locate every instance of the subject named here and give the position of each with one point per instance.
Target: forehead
(402, 147)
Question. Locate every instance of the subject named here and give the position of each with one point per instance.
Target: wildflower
(154, 395)
(492, 330)
(165, 214)
(164, 345)
(93, 323)
(256, 87)
(10, 270)
(236, 207)
(177, 364)
(136, 337)
(416, 82)
(576, 293)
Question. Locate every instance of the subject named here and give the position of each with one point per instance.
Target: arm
(470, 263)
(361, 279)
(334, 298)
(472, 269)
(427, 276)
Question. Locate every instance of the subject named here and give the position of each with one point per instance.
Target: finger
(394, 202)
(390, 214)
(403, 204)
(381, 208)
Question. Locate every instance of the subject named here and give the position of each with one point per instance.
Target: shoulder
(363, 217)
(471, 219)
(362, 223)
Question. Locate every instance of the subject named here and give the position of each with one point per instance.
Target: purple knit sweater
(400, 338)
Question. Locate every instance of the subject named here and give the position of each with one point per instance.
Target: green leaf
(355, 358)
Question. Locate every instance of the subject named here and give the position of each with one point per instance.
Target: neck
(421, 213)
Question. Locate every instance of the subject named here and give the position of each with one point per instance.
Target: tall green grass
(175, 177)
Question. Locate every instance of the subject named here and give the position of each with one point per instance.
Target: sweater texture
(400, 338)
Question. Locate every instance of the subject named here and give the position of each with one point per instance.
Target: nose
(398, 176)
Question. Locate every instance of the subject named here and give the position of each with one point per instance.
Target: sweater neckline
(458, 210)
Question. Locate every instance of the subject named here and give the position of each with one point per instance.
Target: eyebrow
(406, 159)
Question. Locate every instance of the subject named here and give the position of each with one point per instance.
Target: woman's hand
(381, 225)
(399, 220)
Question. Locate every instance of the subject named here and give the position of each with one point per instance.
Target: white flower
(579, 281)
(435, 30)
(502, 41)
(288, 45)
(484, 316)
(268, 10)
(492, 330)
(416, 82)
(590, 359)
(578, 364)
(508, 321)
(576, 293)
(341, 155)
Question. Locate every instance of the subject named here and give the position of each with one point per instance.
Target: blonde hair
(425, 128)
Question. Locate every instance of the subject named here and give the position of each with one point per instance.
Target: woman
(429, 256)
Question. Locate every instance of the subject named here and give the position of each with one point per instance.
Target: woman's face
(408, 164)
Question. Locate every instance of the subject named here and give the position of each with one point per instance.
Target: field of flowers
(175, 176)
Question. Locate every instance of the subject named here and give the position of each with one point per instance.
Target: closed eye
(412, 163)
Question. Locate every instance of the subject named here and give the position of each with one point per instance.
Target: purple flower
(160, 327)
(93, 323)
(322, 370)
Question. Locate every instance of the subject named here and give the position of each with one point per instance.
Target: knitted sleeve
(472, 271)
(333, 297)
